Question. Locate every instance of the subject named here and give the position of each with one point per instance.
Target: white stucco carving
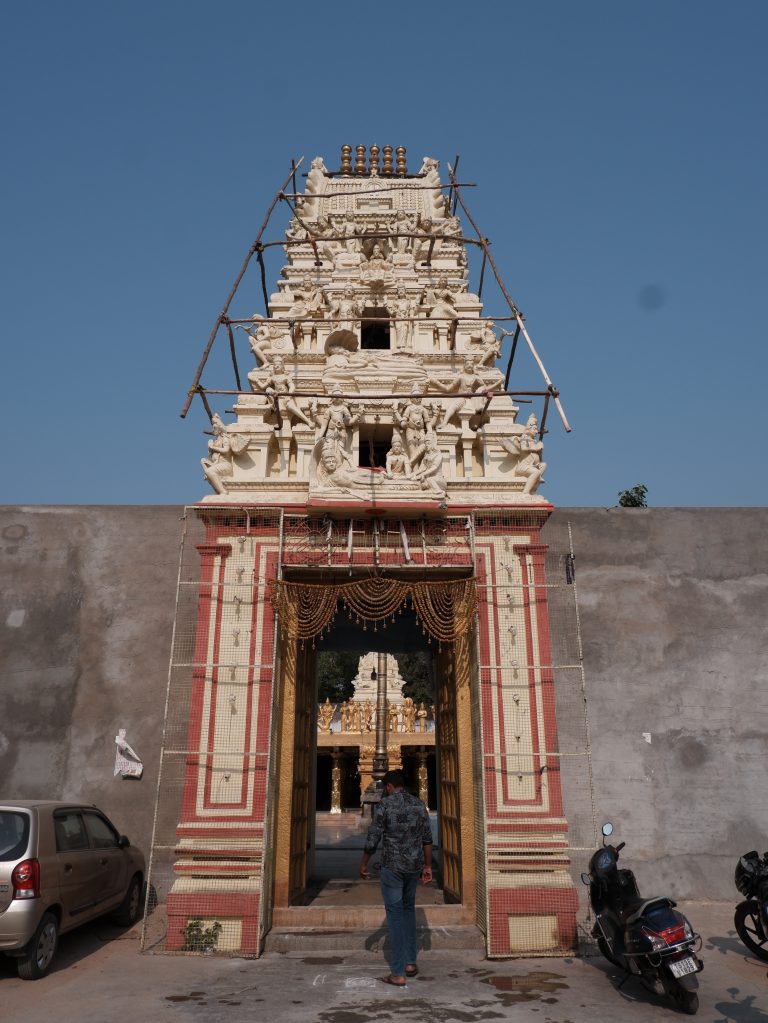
(374, 351)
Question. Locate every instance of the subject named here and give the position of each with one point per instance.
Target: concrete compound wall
(674, 604)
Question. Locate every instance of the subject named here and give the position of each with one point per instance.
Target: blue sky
(620, 155)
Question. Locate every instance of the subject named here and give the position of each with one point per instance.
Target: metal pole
(381, 758)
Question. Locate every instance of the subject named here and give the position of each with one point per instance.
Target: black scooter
(648, 938)
(751, 918)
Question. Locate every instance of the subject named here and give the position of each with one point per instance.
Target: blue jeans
(399, 893)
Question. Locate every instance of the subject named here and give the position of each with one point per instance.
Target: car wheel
(38, 957)
(129, 910)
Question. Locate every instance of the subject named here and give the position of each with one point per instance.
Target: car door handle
(103, 861)
(67, 868)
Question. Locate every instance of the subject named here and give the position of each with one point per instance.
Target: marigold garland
(445, 609)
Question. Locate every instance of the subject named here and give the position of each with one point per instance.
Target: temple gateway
(376, 502)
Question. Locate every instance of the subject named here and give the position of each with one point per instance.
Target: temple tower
(376, 463)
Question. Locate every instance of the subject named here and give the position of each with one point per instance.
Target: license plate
(683, 967)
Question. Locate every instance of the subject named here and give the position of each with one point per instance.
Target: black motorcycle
(647, 938)
(751, 918)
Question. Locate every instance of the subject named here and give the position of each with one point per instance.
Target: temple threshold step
(369, 939)
(352, 918)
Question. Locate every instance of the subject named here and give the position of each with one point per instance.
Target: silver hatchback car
(61, 864)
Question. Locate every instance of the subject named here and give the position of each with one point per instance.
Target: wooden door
(302, 807)
(448, 777)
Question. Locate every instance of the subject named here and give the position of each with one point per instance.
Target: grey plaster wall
(674, 605)
(673, 610)
(86, 609)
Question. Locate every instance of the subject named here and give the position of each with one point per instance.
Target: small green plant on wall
(198, 938)
(634, 498)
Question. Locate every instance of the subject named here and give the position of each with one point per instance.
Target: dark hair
(395, 778)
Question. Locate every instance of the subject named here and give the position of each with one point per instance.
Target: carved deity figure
(335, 423)
(404, 225)
(377, 270)
(267, 340)
(355, 719)
(345, 311)
(468, 381)
(311, 300)
(279, 384)
(430, 471)
(409, 715)
(403, 309)
(421, 714)
(218, 466)
(393, 717)
(527, 448)
(348, 257)
(325, 715)
(346, 715)
(490, 345)
(368, 716)
(415, 419)
(439, 300)
(398, 465)
(332, 472)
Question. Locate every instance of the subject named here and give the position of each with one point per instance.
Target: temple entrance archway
(303, 866)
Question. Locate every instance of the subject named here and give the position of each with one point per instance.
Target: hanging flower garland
(445, 609)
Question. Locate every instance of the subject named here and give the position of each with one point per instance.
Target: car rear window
(14, 834)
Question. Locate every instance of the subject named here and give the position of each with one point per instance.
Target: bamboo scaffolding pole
(482, 274)
(542, 431)
(194, 389)
(511, 355)
(233, 353)
(263, 274)
(311, 238)
(452, 192)
(553, 390)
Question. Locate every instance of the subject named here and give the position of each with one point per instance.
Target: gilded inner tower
(375, 376)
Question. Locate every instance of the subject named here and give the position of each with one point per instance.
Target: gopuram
(377, 488)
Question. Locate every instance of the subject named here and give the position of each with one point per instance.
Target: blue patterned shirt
(402, 821)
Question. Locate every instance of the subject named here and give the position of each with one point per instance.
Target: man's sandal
(389, 980)
(411, 971)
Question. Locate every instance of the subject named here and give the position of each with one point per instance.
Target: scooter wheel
(747, 923)
(686, 1001)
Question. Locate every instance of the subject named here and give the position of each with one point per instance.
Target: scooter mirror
(607, 829)
(585, 878)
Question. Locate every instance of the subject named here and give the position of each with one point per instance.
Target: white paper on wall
(127, 760)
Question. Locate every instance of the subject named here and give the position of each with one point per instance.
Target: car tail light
(26, 880)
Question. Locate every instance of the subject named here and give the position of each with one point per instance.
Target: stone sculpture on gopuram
(372, 343)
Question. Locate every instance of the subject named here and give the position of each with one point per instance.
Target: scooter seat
(635, 908)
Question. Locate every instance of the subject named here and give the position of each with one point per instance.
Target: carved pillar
(305, 442)
(336, 779)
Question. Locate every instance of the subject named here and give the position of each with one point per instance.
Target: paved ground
(101, 978)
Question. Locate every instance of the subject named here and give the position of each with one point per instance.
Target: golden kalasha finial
(401, 169)
(387, 168)
(360, 160)
(373, 165)
(346, 159)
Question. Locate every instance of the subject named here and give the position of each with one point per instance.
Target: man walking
(401, 823)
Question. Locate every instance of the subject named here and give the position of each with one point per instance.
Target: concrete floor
(100, 977)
